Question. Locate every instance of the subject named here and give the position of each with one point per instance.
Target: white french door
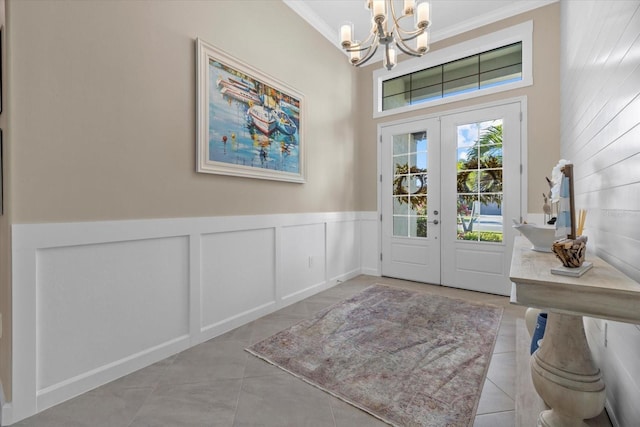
(411, 201)
(449, 189)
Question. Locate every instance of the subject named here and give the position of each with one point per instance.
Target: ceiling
(449, 17)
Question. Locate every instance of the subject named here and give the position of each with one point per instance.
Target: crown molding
(312, 18)
(514, 8)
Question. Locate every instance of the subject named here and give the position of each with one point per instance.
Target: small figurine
(546, 208)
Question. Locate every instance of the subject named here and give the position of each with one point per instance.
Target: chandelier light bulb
(346, 34)
(409, 7)
(423, 15)
(422, 42)
(390, 58)
(379, 10)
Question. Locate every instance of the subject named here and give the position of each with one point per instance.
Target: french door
(411, 201)
(449, 189)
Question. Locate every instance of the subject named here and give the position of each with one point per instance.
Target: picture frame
(249, 124)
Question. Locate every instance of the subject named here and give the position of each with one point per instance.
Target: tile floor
(217, 383)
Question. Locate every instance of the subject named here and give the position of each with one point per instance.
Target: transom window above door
(498, 66)
(481, 66)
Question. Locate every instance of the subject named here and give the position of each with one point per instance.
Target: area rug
(408, 358)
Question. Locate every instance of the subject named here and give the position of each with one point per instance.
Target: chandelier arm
(409, 35)
(366, 44)
(371, 39)
(406, 49)
(368, 56)
(396, 21)
(403, 35)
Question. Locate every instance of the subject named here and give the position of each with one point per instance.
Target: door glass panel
(490, 225)
(410, 157)
(400, 226)
(479, 181)
(400, 207)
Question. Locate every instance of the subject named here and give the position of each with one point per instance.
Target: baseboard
(371, 272)
(344, 277)
(6, 416)
(611, 414)
(88, 381)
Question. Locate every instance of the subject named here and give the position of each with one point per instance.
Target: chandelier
(386, 30)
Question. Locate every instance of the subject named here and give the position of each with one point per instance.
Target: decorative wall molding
(135, 292)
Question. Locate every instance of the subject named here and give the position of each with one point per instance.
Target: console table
(562, 369)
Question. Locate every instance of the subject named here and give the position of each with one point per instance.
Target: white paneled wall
(600, 134)
(95, 301)
(302, 251)
(237, 274)
(78, 290)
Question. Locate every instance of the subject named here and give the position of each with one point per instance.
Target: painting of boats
(263, 119)
(284, 123)
(237, 91)
(249, 123)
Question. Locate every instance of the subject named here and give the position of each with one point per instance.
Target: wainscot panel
(343, 251)
(104, 302)
(94, 301)
(370, 244)
(237, 273)
(302, 250)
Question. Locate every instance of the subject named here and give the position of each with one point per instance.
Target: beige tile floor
(217, 383)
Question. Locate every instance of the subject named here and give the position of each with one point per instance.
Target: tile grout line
(153, 390)
(500, 388)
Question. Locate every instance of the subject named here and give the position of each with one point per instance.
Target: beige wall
(543, 101)
(103, 100)
(102, 114)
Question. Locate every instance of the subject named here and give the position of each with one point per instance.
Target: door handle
(435, 222)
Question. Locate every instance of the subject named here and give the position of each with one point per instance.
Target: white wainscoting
(94, 301)
(370, 244)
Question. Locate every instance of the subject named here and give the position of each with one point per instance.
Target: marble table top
(603, 291)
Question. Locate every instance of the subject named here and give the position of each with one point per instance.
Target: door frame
(436, 115)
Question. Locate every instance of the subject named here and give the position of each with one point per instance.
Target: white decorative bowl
(541, 238)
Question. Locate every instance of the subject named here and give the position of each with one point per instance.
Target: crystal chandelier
(386, 30)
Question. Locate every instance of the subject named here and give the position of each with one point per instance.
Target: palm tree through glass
(479, 181)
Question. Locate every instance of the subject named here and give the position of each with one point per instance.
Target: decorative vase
(538, 333)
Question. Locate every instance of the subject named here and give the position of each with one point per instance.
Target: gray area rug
(408, 358)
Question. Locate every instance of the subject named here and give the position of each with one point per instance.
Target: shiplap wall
(600, 134)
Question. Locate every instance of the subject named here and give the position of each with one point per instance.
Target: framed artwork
(248, 124)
